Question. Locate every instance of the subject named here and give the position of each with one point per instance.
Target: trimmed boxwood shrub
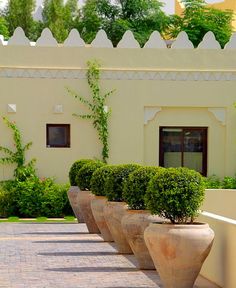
(135, 186)
(76, 166)
(84, 175)
(175, 194)
(99, 178)
(115, 181)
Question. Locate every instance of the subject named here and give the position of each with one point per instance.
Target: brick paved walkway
(64, 255)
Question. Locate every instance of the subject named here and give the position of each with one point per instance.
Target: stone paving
(64, 255)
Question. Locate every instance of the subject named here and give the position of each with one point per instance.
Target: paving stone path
(64, 255)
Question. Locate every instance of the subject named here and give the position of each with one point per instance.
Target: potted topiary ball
(98, 203)
(179, 248)
(74, 189)
(137, 217)
(85, 196)
(115, 207)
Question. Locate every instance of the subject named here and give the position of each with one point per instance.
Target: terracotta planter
(97, 206)
(134, 223)
(178, 251)
(72, 194)
(113, 213)
(84, 202)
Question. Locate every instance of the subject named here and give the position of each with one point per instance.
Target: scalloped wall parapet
(46, 39)
(232, 42)
(128, 41)
(182, 42)
(155, 41)
(19, 38)
(101, 40)
(209, 42)
(74, 39)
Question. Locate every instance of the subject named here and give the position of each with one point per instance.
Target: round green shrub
(135, 187)
(76, 166)
(99, 178)
(84, 175)
(115, 181)
(175, 194)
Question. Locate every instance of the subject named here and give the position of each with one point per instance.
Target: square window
(58, 135)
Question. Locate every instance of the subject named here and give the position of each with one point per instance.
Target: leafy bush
(212, 182)
(175, 194)
(8, 199)
(76, 166)
(229, 183)
(114, 183)
(84, 175)
(135, 186)
(33, 198)
(99, 179)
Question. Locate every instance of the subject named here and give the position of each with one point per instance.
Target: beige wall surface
(153, 88)
(218, 210)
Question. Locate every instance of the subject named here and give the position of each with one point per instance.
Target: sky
(168, 8)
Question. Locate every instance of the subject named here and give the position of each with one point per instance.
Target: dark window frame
(67, 129)
(184, 128)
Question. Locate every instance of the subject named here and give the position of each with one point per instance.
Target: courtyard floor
(64, 255)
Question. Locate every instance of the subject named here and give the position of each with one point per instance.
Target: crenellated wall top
(46, 59)
(128, 41)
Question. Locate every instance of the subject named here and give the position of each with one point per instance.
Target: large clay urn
(97, 206)
(84, 203)
(72, 194)
(113, 213)
(134, 223)
(178, 251)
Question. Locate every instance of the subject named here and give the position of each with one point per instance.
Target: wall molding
(118, 74)
(219, 113)
(150, 113)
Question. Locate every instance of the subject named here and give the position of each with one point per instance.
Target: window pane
(172, 147)
(58, 135)
(193, 150)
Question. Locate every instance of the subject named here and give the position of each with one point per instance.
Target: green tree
(140, 16)
(197, 19)
(4, 28)
(53, 18)
(71, 13)
(19, 13)
(90, 22)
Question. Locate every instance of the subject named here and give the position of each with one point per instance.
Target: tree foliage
(4, 27)
(140, 16)
(19, 13)
(54, 19)
(197, 19)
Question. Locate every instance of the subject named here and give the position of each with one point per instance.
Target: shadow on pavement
(88, 253)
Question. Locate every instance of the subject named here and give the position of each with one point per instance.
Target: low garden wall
(219, 211)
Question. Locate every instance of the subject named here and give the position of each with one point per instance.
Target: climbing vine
(17, 157)
(99, 113)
